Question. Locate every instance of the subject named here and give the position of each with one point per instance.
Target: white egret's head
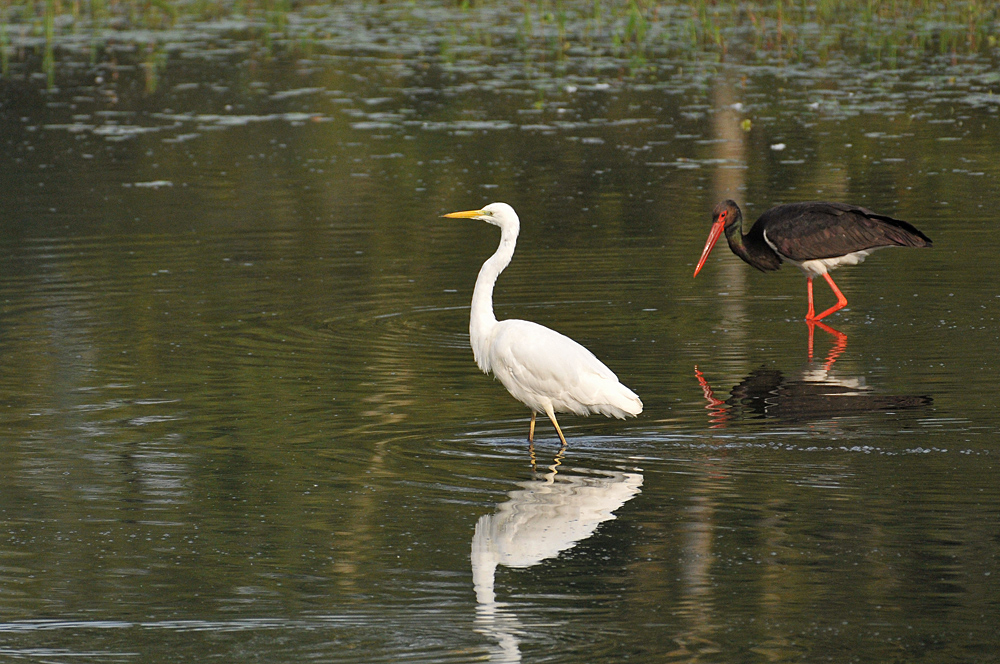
(498, 214)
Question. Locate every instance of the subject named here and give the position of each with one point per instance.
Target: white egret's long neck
(482, 320)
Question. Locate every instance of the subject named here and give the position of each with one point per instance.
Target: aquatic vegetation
(44, 33)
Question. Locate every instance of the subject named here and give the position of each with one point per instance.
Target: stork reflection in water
(815, 392)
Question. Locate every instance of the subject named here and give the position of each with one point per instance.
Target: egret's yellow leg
(531, 428)
(552, 416)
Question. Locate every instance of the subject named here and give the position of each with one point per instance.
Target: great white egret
(546, 371)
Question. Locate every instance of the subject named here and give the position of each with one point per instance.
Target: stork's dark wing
(807, 231)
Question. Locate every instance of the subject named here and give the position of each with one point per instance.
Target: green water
(240, 420)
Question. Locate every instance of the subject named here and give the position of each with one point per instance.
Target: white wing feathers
(541, 368)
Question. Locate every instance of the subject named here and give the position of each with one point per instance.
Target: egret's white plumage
(546, 371)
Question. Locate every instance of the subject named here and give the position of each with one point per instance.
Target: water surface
(240, 417)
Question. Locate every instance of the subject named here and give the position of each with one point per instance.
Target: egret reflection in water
(542, 518)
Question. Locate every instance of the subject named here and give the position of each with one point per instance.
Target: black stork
(816, 237)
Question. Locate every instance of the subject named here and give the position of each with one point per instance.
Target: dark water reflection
(814, 392)
(240, 419)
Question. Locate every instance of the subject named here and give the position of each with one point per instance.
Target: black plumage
(817, 236)
(807, 231)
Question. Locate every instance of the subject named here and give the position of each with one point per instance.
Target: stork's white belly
(817, 267)
(821, 266)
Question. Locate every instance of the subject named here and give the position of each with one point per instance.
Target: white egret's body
(546, 371)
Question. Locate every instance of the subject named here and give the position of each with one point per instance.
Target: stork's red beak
(713, 237)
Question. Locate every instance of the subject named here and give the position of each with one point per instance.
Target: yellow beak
(468, 214)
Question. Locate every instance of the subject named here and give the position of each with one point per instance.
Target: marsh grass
(784, 31)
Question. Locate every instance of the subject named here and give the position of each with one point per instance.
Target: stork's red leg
(811, 314)
(841, 300)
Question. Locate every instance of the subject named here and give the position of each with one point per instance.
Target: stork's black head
(727, 213)
(726, 216)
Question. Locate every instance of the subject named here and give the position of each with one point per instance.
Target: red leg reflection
(717, 408)
(839, 342)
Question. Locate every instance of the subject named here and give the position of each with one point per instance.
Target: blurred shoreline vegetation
(40, 35)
